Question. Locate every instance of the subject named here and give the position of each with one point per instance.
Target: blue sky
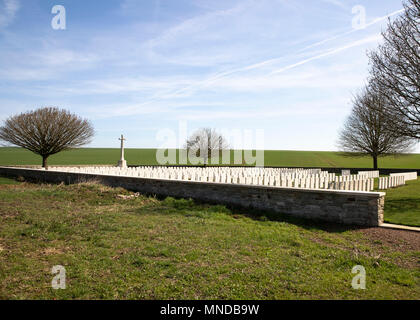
(289, 67)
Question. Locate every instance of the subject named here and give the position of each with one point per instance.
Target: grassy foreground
(144, 248)
(18, 156)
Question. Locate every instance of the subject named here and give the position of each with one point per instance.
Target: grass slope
(402, 204)
(5, 181)
(145, 248)
(17, 156)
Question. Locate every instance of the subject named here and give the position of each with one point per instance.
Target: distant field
(17, 156)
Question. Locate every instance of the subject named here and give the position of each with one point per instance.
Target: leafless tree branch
(368, 131)
(395, 71)
(206, 143)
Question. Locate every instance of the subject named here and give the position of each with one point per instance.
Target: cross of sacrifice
(122, 163)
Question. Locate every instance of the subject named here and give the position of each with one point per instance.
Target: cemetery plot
(273, 177)
(407, 175)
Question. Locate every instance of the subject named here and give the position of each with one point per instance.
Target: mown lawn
(276, 158)
(402, 204)
(4, 181)
(145, 248)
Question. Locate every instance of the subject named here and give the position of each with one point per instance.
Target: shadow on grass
(188, 207)
(10, 181)
(308, 224)
(403, 212)
(403, 204)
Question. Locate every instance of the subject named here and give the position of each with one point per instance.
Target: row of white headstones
(278, 177)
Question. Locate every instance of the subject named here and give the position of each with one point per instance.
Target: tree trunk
(45, 162)
(375, 162)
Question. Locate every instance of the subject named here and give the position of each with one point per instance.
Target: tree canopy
(46, 131)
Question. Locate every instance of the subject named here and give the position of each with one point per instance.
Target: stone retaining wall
(346, 207)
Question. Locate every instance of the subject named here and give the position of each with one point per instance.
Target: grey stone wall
(346, 207)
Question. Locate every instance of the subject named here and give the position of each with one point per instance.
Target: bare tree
(366, 130)
(395, 70)
(46, 131)
(206, 143)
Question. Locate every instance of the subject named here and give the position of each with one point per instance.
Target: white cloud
(341, 35)
(202, 110)
(26, 74)
(222, 76)
(315, 78)
(8, 10)
(44, 64)
(336, 3)
(330, 52)
(196, 25)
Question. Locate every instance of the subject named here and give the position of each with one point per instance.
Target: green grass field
(145, 248)
(5, 181)
(402, 204)
(17, 156)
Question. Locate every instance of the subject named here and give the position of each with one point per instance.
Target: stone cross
(122, 163)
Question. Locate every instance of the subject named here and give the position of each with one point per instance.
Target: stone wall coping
(342, 192)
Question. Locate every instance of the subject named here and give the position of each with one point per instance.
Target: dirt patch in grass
(8, 211)
(52, 251)
(379, 250)
(400, 240)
